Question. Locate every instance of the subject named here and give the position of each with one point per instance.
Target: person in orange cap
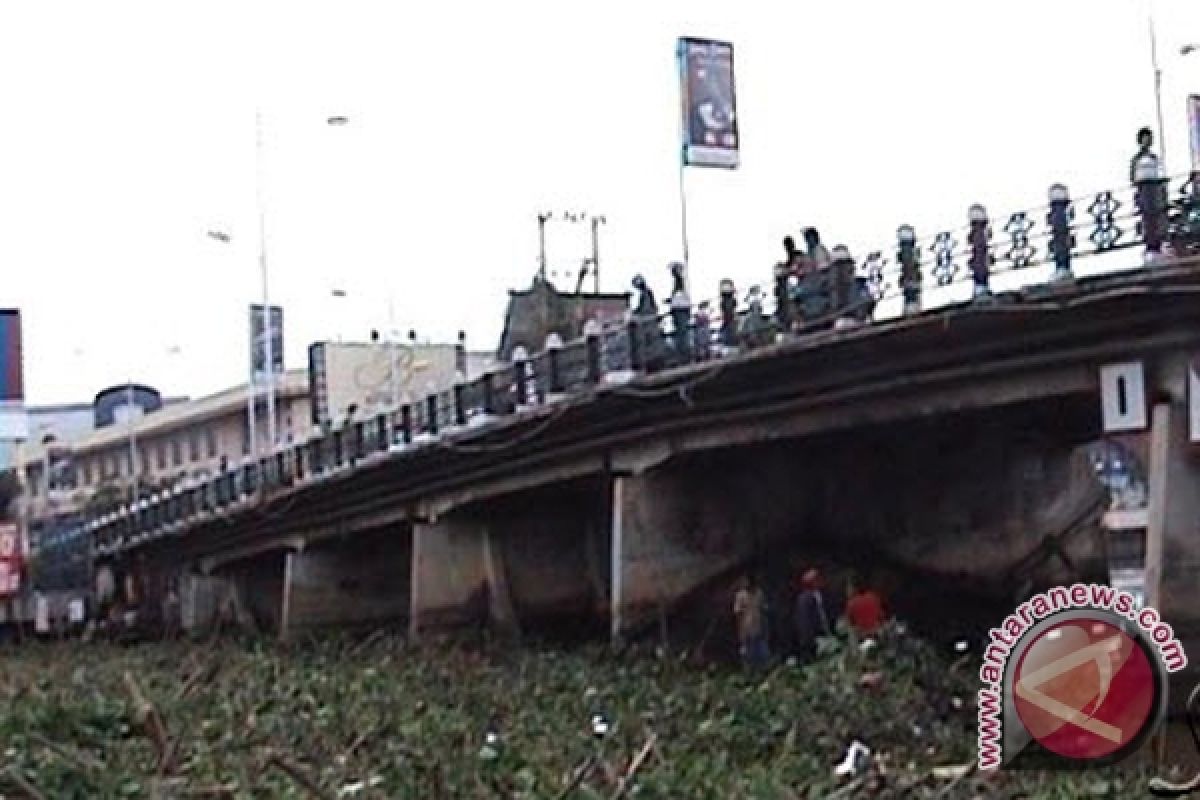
(812, 619)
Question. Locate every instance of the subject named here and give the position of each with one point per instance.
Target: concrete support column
(455, 567)
(200, 600)
(1158, 479)
(1173, 519)
(361, 579)
(669, 538)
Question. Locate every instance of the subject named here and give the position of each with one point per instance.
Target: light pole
(1158, 73)
(251, 384)
(268, 330)
(267, 327)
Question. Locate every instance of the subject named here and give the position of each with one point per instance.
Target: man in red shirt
(864, 610)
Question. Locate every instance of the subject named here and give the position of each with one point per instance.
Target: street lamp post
(267, 328)
(268, 331)
(1158, 74)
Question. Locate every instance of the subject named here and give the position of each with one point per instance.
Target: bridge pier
(1173, 524)
(360, 579)
(457, 577)
(528, 560)
(673, 532)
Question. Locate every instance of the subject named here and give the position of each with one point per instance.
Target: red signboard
(10, 559)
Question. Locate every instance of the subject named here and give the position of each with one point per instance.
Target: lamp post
(264, 273)
(251, 386)
(1158, 74)
(268, 329)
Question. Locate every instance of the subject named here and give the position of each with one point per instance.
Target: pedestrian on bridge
(702, 332)
(645, 316)
(818, 254)
(681, 314)
(646, 306)
(1145, 142)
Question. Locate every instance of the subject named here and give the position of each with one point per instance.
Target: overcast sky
(129, 132)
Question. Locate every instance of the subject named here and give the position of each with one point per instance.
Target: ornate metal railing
(1160, 215)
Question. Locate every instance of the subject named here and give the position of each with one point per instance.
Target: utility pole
(597, 221)
(542, 218)
(133, 459)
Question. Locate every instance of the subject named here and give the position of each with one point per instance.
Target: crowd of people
(813, 288)
(814, 615)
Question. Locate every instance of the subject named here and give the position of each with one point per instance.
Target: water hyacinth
(385, 721)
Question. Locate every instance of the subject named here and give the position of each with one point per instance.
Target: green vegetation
(378, 719)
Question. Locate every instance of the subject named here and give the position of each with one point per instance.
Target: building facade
(364, 378)
(143, 452)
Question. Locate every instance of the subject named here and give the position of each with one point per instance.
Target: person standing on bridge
(702, 332)
(818, 254)
(646, 306)
(645, 316)
(749, 614)
(1145, 141)
(681, 314)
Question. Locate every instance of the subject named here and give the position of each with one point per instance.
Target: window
(194, 446)
(160, 455)
(126, 467)
(210, 437)
(33, 477)
(176, 452)
(110, 466)
(245, 436)
(86, 479)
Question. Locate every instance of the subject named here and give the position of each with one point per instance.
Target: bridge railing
(1163, 216)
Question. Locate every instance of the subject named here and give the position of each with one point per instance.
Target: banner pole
(685, 109)
(683, 220)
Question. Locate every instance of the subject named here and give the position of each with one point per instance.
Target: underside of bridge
(961, 504)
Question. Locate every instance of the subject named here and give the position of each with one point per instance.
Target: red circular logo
(1085, 689)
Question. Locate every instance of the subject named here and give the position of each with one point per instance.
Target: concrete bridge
(578, 485)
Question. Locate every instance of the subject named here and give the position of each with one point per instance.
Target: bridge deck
(1057, 330)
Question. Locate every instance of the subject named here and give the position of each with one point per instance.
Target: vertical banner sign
(10, 560)
(318, 382)
(710, 129)
(258, 341)
(1194, 128)
(13, 424)
(12, 388)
